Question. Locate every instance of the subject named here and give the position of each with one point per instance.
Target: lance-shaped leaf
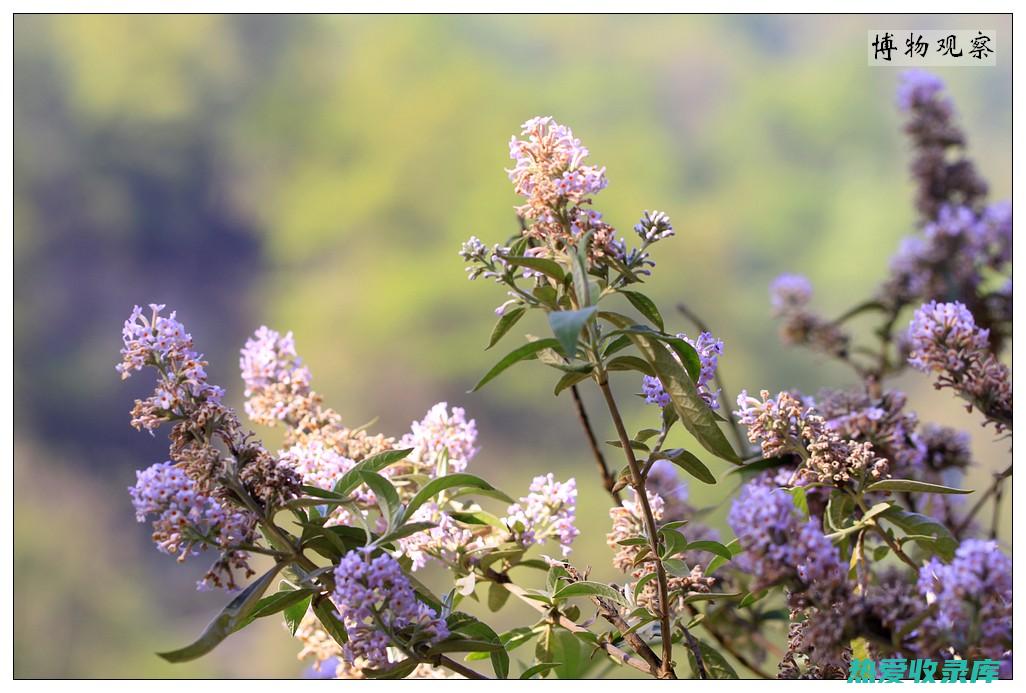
(375, 463)
(226, 622)
(716, 665)
(544, 265)
(586, 588)
(911, 486)
(689, 405)
(645, 306)
(925, 531)
(281, 600)
(525, 351)
(688, 462)
(567, 326)
(508, 320)
(436, 486)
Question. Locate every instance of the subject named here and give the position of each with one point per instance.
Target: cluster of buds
(787, 425)
(946, 341)
(187, 521)
(548, 510)
(790, 295)
(376, 603)
(215, 492)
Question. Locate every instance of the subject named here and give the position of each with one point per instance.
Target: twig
(649, 665)
(697, 651)
(461, 669)
(994, 489)
(607, 479)
(638, 482)
(729, 647)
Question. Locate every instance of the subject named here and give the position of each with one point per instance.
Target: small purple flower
(654, 226)
(944, 337)
(709, 350)
(918, 87)
(789, 293)
(548, 510)
(973, 595)
(372, 592)
(442, 435)
(188, 521)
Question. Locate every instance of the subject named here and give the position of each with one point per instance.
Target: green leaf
(734, 546)
(567, 326)
(840, 509)
(497, 596)
(436, 486)
(645, 306)
(277, 602)
(325, 612)
(225, 623)
(618, 344)
(406, 530)
(800, 500)
(385, 494)
(692, 409)
(689, 463)
(375, 463)
(751, 598)
(586, 588)
(759, 465)
(569, 380)
(507, 321)
(294, 613)
(911, 486)
(539, 668)
(716, 666)
(525, 351)
(546, 266)
(399, 670)
(925, 531)
(579, 270)
(630, 363)
(714, 547)
(482, 632)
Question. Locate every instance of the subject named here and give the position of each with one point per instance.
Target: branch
(994, 489)
(649, 665)
(608, 481)
(638, 483)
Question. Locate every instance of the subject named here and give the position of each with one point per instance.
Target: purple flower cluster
(943, 174)
(790, 295)
(162, 342)
(442, 436)
(445, 541)
(548, 510)
(780, 547)
(549, 166)
(951, 251)
(275, 377)
(654, 226)
(945, 340)
(709, 350)
(973, 597)
(882, 421)
(187, 521)
(377, 604)
(785, 424)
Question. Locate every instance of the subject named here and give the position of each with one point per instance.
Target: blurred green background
(318, 174)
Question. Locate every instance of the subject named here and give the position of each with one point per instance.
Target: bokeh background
(317, 174)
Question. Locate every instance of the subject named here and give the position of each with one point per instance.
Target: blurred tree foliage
(319, 173)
